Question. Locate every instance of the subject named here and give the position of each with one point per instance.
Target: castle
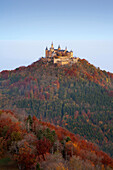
(58, 56)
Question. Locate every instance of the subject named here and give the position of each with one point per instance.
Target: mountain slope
(34, 144)
(78, 97)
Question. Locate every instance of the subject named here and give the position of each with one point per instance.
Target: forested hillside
(33, 144)
(78, 97)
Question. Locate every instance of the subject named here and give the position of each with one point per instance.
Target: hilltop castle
(58, 56)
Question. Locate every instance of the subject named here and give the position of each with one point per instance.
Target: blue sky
(27, 26)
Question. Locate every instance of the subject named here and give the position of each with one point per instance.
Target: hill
(34, 144)
(78, 97)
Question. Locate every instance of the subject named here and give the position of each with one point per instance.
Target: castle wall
(64, 60)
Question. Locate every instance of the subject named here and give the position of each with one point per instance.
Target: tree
(25, 157)
(3, 147)
(43, 146)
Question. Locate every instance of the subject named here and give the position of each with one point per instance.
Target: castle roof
(59, 46)
(58, 50)
(61, 50)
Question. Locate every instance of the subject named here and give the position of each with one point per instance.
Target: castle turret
(66, 49)
(46, 52)
(59, 47)
(52, 48)
(52, 45)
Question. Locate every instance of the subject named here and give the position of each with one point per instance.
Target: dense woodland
(78, 97)
(37, 145)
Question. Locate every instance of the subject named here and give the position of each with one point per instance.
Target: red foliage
(30, 150)
(3, 147)
(71, 71)
(7, 126)
(43, 146)
(25, 157)
(5, 74)
(110, 75)
(110, 93)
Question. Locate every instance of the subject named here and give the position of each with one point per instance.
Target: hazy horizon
(27, 27)
(13, 56)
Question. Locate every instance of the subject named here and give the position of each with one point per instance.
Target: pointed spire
(46, 48)
(52, 45)
(59, 46)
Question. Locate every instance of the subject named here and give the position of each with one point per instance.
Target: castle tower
(52, 45)
(46, 52)
(59, 47)
(52, 48)
(65, 49)
(71, 53)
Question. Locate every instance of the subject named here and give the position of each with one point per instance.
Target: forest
(78, 97)
(34, 144)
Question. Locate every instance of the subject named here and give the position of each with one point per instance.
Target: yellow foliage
(100, 122)
(15, 136)
(103, 167)
(75, 145)
(61, 167)
(107, 80)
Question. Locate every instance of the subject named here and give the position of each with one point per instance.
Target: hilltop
(34, 144)
(77, 96)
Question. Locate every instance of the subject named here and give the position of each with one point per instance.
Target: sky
(28, 26)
